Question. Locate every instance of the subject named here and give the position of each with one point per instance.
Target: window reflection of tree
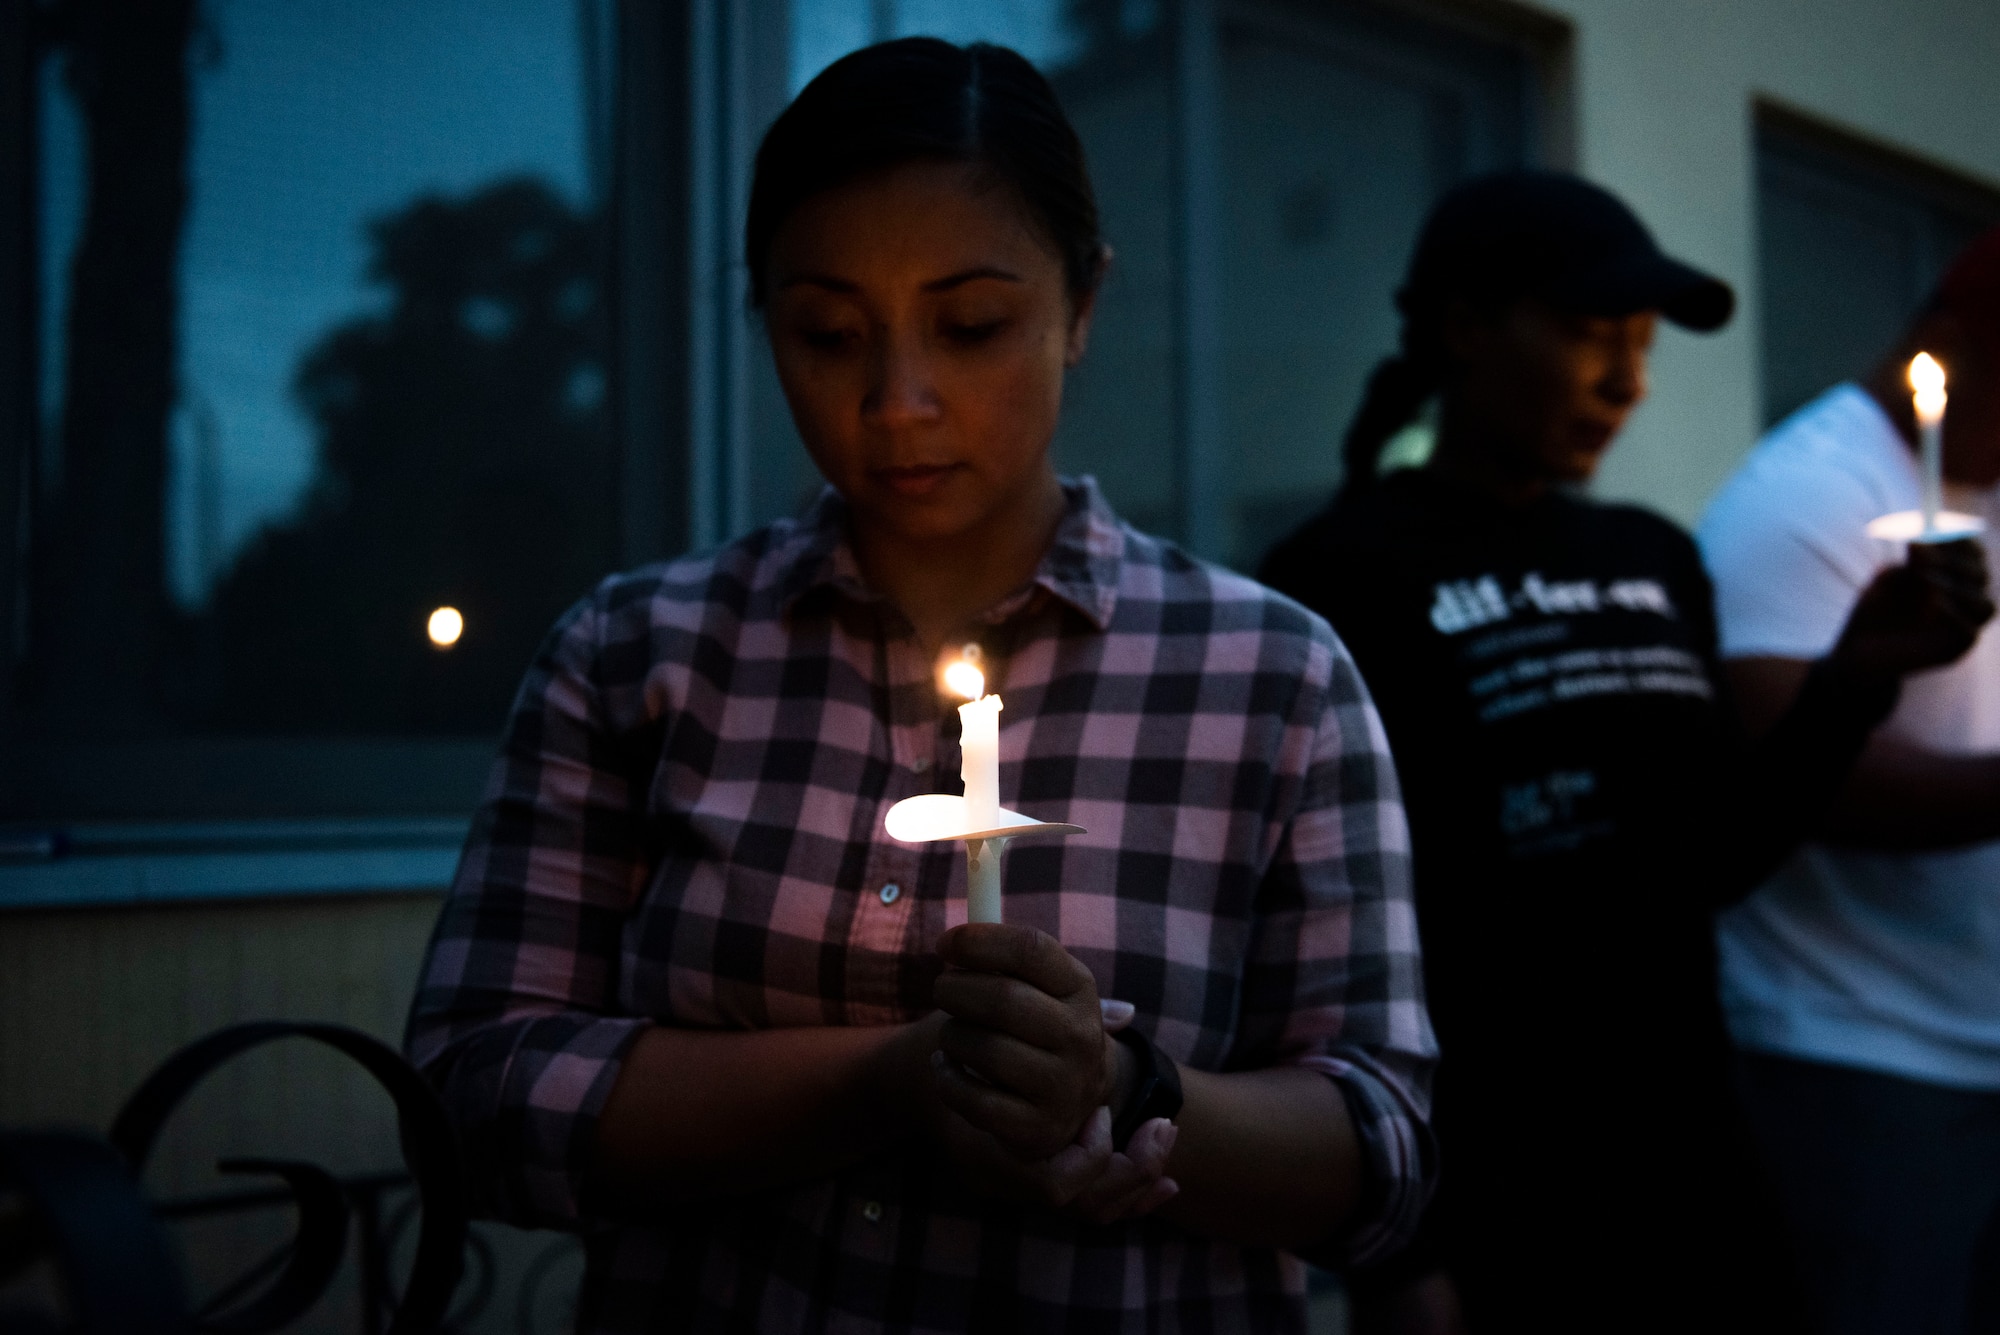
(99, 607)
(465, 455)
(464, 459)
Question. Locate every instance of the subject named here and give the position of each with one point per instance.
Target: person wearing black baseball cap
(1580, 800)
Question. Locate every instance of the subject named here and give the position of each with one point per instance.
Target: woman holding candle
(1881, 1120)
(1580, 799)
(688, 994)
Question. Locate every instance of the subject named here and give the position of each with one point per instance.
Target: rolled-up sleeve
(1335, 978)
(515, 1021)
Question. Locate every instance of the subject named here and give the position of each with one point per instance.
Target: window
(1850, 240)
(322, 350)
(350, 311)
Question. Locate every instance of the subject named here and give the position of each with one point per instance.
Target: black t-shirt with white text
(1581, 800)
(1547, 678)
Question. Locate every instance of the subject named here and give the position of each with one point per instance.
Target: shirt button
(872, 1211)
(891, 893)
(920, 764)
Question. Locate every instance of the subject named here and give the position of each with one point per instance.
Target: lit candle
(979, 742)
(977, 818)
(979, 768)
(1927, 393)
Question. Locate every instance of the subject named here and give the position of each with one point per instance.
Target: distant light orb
(445, 626)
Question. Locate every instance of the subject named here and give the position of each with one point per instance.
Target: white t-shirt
(1886, 961)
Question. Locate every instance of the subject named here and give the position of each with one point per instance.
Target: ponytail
(1395, 395)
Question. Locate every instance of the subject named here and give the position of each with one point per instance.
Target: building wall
(1664, 94)
(91, 1000)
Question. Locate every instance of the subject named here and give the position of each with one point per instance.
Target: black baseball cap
(1561, 239)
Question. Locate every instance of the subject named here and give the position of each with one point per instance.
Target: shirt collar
(1081, 566)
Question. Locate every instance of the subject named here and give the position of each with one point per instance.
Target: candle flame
(1927, 379)
(965, 679)
(1926, 376)
(444, 627)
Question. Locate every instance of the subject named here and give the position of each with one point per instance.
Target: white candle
(979, 768)
(933, 816)
(979, 739)
(1927, 393)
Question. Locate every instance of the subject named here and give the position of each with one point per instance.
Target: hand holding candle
(984, 1061)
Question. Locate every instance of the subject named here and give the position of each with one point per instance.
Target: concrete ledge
(157, 864)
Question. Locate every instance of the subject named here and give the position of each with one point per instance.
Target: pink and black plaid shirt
(685, 828)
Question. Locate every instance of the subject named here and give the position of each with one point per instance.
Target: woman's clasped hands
(1025, 1075)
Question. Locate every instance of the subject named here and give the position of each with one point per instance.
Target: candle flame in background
(445, 626)
(1927, 379)
(965, 679)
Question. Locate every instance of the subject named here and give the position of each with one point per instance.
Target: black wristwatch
(1156, 1088)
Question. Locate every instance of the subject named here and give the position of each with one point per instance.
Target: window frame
(690, 86)
(51, 784)
(19, 341)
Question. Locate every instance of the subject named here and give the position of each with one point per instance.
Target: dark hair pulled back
(1397, 390)
(1403, 382)
(919, 98)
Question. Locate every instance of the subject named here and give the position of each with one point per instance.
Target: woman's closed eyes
(829, 337)
(972, 333)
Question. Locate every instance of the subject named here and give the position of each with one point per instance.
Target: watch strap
(1156, 1087)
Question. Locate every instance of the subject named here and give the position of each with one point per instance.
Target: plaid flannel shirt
(685, 828)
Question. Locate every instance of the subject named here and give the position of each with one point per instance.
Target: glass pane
(1118, 417)
(1337, 135)
(358, 377)
(1108, 60)
(1849, 242)
(1818, 332)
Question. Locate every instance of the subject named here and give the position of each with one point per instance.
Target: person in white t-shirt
(1862, 982)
